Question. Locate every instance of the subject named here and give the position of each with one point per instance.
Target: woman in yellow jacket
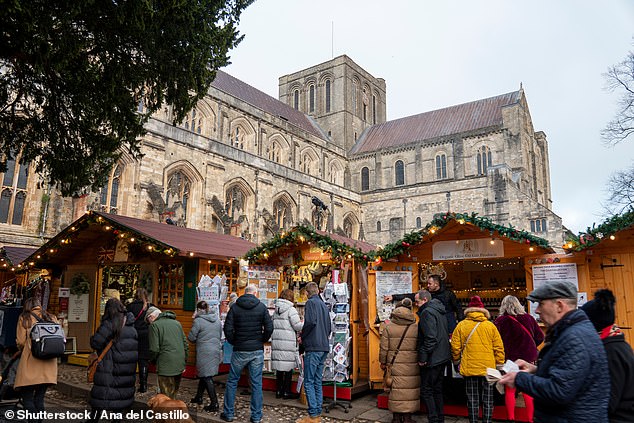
(34, 375)
(477, 344)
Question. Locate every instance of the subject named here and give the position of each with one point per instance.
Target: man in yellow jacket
(477, 345)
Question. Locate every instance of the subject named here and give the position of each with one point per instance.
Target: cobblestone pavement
(72, 392)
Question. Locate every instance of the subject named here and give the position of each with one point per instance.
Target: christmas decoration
(79, 284)
(607, 229)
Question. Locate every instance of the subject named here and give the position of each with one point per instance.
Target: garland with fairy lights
(595, 235)
(79, 284)
(442, 219)
(303, 233)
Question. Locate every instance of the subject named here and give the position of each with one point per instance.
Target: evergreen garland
(593, 235)
(79, 284)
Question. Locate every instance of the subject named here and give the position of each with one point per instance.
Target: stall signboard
(78, 308)
(390, 283)
(549, 273)
(466, 249)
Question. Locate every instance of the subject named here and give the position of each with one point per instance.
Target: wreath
(79, 284)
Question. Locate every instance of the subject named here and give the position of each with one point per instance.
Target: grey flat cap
(551, 290)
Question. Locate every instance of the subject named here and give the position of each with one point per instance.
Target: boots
(143, 372)
(407, 418)
(288, 382)
(198, 399)
(211, 391)
(397, 418)
(279, 384)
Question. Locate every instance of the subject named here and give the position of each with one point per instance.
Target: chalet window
(171, 280)
(365, 179)
(13, 195)
(441, 166)
(399, 172)
(229, 270)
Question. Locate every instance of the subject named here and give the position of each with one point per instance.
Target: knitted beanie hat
(600, 310)
(476, 302)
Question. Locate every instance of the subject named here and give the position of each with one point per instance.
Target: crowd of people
(583, 372)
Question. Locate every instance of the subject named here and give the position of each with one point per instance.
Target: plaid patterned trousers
(479, 391)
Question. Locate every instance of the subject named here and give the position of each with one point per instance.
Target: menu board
(390, 283)
(548, 273)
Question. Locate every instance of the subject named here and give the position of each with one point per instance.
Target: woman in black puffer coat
(113, 388)
(139, 308)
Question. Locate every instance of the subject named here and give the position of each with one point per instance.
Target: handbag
(94, 360)
(457, 363)
(387, 372)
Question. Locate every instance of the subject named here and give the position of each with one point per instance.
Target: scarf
(612, 330)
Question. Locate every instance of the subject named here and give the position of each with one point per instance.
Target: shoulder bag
(94, 360)
(457, 363)
(387, 372)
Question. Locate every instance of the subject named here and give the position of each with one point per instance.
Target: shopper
(34, 375)
(168, 349)
(247, 327)
(601, 313)
(476, 344)
(113, 388)
(314, 337)
(284, 348)
(571, 382)
(399, 352)
(434, 353)
(521, 336)
(206, 333)
(139, 308)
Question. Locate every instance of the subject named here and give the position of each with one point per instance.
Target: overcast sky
(435, 54)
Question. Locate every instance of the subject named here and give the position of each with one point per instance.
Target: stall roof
(445, 221)
(172, 240)
(338, 246)
(605, 230)
(15, 255)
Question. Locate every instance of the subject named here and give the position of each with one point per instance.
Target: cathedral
(247, 164)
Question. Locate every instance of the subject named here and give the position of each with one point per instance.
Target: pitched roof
(364, 247)
(245, 92)
(15, 255)
(437, 123)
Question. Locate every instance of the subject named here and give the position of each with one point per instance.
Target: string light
(612, 237)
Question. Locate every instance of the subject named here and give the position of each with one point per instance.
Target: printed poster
(390, 283)
(548, 273)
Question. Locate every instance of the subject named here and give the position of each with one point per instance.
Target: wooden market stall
(301, 255)
(102, 255)
(472, 255)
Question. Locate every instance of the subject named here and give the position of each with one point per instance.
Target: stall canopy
(10, 257)
(605, 231)
(462, 226)
(154, 237)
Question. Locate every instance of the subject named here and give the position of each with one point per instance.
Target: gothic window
(194, 121)
(378, 226)
(354, 98)
(283, 212)
(235, 202)
(336, 174)
(311, 99)
(399, 173)
(441, 166)
(349, 225)
(109, 193)
(296, 99)
(327, 96)
(539, 225)
(178, 191)
(365, 105)
(307, 164)
(13, 196)
(275, 152)
(238, 138)
(365, 179)
(484, 160)
(374, 109)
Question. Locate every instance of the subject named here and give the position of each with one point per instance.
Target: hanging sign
(465, 249)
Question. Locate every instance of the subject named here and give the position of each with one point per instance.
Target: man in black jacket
(434, 352)
(247, 327)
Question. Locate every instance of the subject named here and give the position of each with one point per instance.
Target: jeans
(254, 361)
(33, 398)
(431, 392)
(313, 373)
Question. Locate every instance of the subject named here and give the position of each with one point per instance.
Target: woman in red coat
(521, 335)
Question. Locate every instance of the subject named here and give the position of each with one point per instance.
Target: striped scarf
(608, 331)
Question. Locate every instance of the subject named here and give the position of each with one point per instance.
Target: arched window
(336, 174)
(296, 99)
(311, 99)
(365, 105)
(109, 193)
(365, 179)
(194, 121)
(328, 96)
(238, 138)
(275, 152)
(13, 196)
(441, 166)
(355, 88)
(374, 110)
(483, 159)
(349, 226)
(177, 196)
(378, 226)
(283, 212)
(399, 172)
(419, 223)
(307, 164)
